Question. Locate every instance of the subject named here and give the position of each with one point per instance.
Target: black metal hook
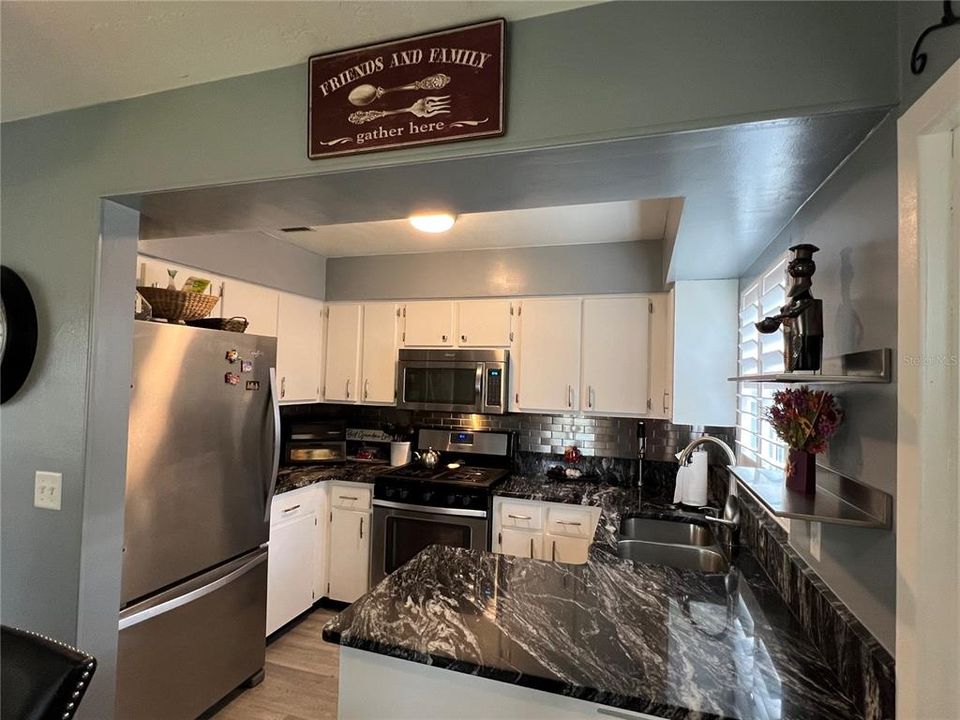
(918, 60)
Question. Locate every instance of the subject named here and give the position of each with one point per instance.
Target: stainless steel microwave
(473, 381)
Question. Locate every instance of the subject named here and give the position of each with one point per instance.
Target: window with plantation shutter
(757, 443)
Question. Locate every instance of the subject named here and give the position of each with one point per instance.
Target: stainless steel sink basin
(686, 557)
(666, 531)
(676, 544)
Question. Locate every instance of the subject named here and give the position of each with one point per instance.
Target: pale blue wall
(853, 220)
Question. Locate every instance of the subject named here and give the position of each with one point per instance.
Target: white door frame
(928, 394)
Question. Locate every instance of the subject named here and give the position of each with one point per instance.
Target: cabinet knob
(443, 338)
(463, 338)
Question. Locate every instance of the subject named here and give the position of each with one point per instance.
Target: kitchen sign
(433, 88)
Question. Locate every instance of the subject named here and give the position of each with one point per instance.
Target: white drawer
(293, 504)
(349, 497)
(571, 520)
(521, 515)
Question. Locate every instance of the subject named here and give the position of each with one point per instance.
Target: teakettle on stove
(428, 458)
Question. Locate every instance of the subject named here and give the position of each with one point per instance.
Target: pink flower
(805, 419)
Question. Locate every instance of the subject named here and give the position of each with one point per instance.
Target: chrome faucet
(731, 508)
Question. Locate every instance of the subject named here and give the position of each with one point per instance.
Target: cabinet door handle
(569, 396)
(568, 522)
(347, 497)
(366, 384)
(531, 547)
(443, 338)
(590, 396)
(361, 528)
(290, 509)
(283, 386)
(553, 552)
(520, 517)
(665, 396)
(348, 388)
(463, 338)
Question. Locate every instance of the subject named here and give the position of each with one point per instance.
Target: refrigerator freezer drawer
(185, 649)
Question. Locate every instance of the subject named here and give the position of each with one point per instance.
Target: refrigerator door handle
(275, 466)
(195, 594)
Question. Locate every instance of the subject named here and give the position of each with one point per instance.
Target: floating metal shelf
(869, 366)
(839, 499)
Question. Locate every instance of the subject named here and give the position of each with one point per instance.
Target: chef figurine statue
(801, 316)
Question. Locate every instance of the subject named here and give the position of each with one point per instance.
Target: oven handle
(431, 510)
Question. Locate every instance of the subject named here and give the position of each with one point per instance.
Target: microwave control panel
(494, 387)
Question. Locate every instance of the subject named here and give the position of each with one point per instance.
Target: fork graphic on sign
(425, 107)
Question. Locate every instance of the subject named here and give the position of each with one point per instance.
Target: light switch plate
(815, 532)
(46, 490)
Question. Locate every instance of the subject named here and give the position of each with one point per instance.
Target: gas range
(463, 487)
(450, 504)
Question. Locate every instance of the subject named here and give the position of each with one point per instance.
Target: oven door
(400, 531)
(454, 386)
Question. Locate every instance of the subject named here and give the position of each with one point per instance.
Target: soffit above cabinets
(740, 185)
(533, 227)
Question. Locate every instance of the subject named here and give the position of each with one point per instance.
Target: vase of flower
(805, 420)
(801, 471)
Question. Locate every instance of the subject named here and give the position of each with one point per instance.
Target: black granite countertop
(298, 476)
(669, 642)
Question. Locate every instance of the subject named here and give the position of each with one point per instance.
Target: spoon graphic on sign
(365, 94)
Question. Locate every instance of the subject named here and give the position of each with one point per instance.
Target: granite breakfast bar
(472, 634)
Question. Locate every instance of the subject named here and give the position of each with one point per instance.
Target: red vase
(801, 471)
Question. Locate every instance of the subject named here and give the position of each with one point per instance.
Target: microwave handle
(479, 389)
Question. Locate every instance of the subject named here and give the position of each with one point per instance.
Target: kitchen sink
(676, 544)
(666, 531)
(685, 557)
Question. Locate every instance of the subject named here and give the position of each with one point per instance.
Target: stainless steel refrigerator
(202, 456)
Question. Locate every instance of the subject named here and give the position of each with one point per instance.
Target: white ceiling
(57, 55)
(563, 225)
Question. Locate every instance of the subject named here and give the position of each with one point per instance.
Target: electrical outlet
(815, 532)
(46, 490)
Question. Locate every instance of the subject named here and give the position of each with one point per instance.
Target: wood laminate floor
(302, 673)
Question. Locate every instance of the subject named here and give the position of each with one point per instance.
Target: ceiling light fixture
(433, 223)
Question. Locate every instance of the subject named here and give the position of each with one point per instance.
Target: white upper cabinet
(379, 353)
(661, 356)
(483, 323)
(616, 348)
(342, 366)
(706, 322)
(256, 303)
(549, 358)
(428, 324)
(299, 335)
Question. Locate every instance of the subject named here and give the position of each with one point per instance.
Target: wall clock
(18, 332)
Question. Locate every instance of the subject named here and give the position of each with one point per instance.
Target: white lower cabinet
(565, 536)
(349, 567)
(292, 556)
(522, 543)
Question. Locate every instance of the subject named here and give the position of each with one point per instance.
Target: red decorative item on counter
(572, 455)
(805, 419)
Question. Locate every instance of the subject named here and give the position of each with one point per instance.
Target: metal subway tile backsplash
(595, 436)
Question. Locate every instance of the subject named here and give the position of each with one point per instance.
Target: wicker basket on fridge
(177, 305)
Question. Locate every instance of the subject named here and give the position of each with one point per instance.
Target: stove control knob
(465, 500)
(389, 492)
(427, 495)
(451, 499)
(403, 493)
